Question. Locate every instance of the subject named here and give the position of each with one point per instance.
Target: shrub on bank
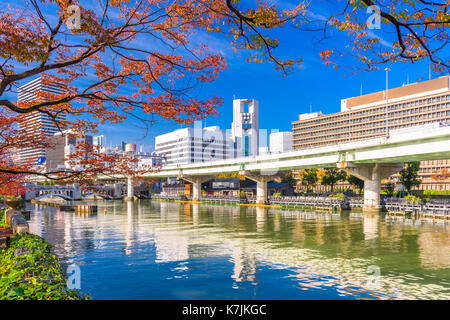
(339, 196)
(412, 198)
(2, 218)
(436, 192)
(29, 271)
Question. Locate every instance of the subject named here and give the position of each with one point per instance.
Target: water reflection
(370, 223)
(247, 252)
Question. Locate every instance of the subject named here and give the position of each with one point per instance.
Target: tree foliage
(377, 32)
(355, 181)
(145, 59)
(309, 178)
(331, 176)
(139, 59)
(288, 178)
(441, 175)
(409, 175)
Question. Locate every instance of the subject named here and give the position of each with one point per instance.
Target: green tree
(331, 176)
(409, 175)
(389, 189)
(355, 181)
(309, 178)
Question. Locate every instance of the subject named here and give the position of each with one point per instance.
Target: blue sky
(281, 99)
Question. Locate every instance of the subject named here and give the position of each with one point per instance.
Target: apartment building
(373, 115)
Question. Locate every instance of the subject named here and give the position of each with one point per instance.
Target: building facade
(370, 116)
(191, 145)
(280, 142)
(62, 145)
(99, 141)
(37, 123)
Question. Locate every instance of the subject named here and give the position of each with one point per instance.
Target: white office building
(245, 127)
(280, 142)
(190, 145)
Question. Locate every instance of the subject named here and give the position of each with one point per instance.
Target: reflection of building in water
(276, 222)
(435, 249)
(66, 232)
(261, 214)
(370, 226)
(245, 264)
(130, 228)
(195, 212)
(171, 245)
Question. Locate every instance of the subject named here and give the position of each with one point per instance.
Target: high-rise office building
(190, 145)
(245, 127)
(99, 141)
(364, 117)
(37, 123)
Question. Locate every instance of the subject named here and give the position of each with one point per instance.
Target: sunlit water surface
(165, 250)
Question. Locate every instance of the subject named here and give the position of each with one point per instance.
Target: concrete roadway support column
(196, 185)
(117, 191)
(130, 190)
(261, 186)
(372, 191)
(29, 195)
(76, 192)
(371, 174)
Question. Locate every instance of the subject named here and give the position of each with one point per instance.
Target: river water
(166, 250)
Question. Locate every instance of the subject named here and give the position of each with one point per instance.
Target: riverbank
(29, 271)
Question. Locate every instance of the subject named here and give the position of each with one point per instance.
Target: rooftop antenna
(429, 71)
(310, 108)
(234, 97)
(407, 78)
(361, 89)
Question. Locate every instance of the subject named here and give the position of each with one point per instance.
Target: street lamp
(387, 108)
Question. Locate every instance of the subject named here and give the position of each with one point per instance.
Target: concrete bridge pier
(130, 189)
(196, 184)
(76, 195)
(261, 185)
(117, 190)
(371, 174)
(30, 192)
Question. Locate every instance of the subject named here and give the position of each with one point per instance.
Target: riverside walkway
(433, 208)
